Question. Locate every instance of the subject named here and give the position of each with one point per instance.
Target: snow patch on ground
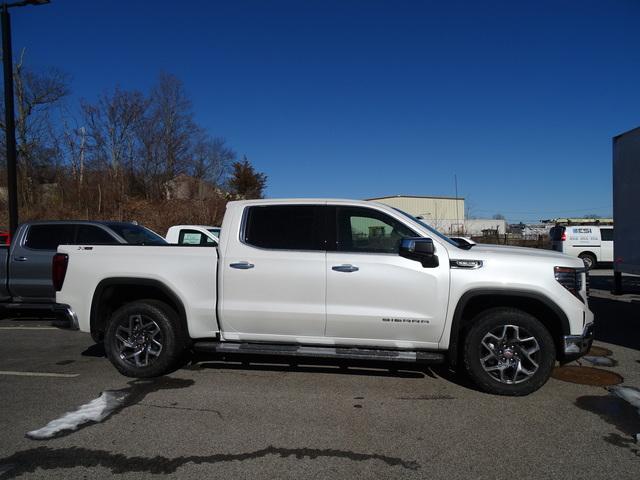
(631, 395)
(600, 361)
(94, 411)
(628, 394)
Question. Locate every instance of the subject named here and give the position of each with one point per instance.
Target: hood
(484, 251)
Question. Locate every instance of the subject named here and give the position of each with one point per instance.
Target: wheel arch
(475, 301)
(589, 252)
(112, 293)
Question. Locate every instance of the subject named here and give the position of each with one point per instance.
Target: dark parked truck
(626, 196)
(26, 265)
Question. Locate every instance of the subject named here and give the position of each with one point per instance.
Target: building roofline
(416, 196)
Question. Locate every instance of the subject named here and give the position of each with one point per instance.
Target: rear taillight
(571, 279)
(59, 270)
(563, 238)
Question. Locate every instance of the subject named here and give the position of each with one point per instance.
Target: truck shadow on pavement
(261, 363)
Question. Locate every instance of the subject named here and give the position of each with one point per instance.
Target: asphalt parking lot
(216, 419)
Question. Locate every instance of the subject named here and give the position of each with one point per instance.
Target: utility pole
(9, 121)
(455, 179)
(9, 114)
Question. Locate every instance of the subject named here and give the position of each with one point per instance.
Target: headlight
(571, 279)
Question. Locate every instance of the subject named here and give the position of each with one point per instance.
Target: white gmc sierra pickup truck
(331, 278)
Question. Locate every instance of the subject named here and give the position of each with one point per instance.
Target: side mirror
(419, 249)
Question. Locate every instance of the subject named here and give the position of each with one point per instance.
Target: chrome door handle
(242, 265)
(345, 268)
(20, 259)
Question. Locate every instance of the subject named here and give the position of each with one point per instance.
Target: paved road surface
(326, 421)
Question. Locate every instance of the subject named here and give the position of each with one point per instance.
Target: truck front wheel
(144, 339)
(508, 352)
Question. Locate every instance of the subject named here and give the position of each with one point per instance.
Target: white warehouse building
(446, 214)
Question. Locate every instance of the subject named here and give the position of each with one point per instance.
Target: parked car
(332, 278)
(193, 235)
(25, 265)
(592, 243)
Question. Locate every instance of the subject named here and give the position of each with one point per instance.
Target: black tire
(589, 260)
(158, 324)
(511, 370)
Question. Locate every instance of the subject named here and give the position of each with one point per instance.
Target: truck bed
(190, 273)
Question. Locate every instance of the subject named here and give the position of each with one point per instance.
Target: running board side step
(351, 353)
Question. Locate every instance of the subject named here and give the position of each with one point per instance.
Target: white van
(592, 243)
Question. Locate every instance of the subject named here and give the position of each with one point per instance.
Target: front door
(274, 281)
(373, 293)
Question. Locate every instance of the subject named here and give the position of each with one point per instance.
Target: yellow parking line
(38, 374)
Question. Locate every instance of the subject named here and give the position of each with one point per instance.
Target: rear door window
(606, 234)
(48, 237)
(286, 227)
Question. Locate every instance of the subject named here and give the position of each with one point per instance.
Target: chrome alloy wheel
(509, 354)
(140, 343)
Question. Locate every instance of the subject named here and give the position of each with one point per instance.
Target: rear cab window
(135, 234)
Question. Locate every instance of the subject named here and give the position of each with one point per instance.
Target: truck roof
(272, 201)
(85, 222)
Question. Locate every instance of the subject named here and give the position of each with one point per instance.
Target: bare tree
(112, 124)
(211, 158)
(173, 118)
(36, 95)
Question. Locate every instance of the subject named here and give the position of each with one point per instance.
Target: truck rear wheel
(144, 339)
(508, 352)
(589, 260)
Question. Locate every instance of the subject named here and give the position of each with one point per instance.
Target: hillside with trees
(126, 155)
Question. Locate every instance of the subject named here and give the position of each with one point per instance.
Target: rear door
(274, 281)
(375, 294)
(606, 244)
(30, 260)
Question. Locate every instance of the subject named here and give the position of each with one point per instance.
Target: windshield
(430, 228)
(215, 231)
(136, 235)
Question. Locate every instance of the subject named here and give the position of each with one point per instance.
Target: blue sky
(360, 99)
